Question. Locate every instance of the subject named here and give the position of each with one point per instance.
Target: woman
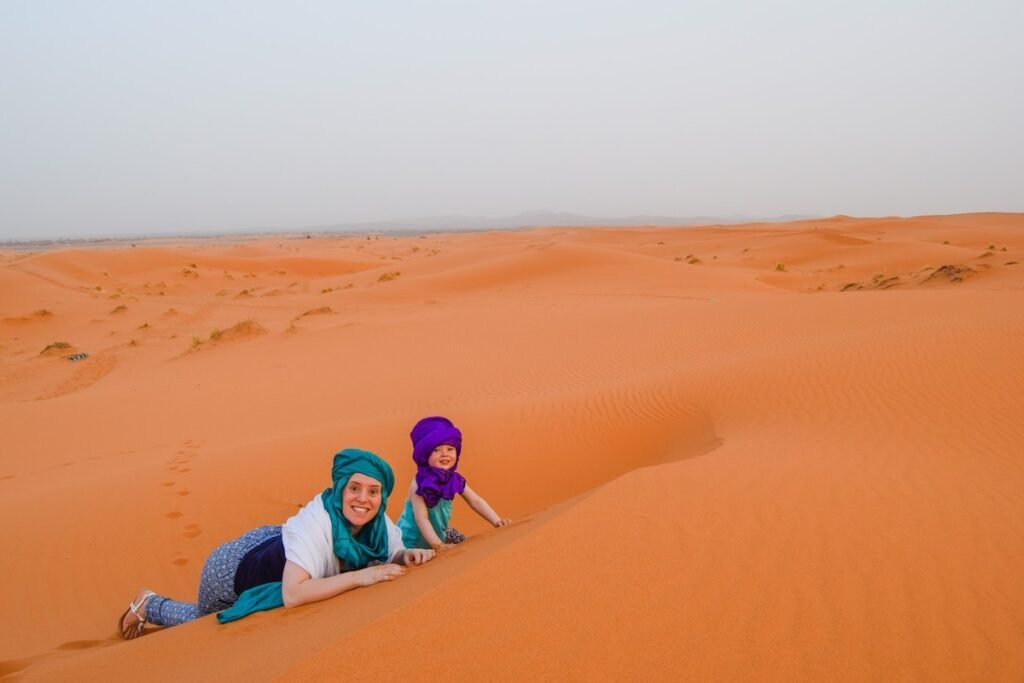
(340, 540)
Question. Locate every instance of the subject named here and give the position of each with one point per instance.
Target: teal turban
(371, 543)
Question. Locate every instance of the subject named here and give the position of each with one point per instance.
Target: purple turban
(433, 483)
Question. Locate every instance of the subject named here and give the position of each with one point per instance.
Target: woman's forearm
(299, 591)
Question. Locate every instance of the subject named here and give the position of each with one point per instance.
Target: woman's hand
(382, 572)
(416, 556)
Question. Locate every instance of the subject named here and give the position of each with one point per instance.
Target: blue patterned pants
(217, 585)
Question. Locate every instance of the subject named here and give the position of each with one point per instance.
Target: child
(436, 447)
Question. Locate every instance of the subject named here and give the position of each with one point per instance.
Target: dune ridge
(721, 469)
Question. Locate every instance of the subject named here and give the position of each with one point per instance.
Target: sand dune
(723, 461)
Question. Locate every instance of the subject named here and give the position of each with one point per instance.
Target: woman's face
(443, 457)
(360, 499)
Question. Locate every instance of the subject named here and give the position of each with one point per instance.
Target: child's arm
(481, 508)
(419, 513)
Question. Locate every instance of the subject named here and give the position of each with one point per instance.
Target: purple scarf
(432, 483)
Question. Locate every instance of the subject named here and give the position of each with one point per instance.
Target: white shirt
(309, 541)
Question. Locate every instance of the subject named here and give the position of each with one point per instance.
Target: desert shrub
(56, 346)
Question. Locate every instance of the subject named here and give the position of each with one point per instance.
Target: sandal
(132, 626)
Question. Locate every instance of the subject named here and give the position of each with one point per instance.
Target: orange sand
(724, 469)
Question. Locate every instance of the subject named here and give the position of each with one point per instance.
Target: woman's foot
(133, 621)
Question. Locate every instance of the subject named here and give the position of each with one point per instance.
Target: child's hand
(504, 521)
(381, 572)
(416, 556)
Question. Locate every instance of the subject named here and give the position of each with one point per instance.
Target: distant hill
(533, 219)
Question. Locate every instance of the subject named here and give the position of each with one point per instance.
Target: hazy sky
(137, 117)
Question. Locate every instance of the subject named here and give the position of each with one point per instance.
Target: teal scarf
(355, 552)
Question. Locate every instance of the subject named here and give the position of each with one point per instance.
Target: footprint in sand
(184, 469)
(167, 483)
(173, 514)
(176, 463)
(181, 561)
(191, 531)
(183, 492)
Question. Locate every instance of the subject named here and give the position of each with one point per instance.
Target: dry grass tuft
(951, 272)
(241, 330)
(323, 310)
(55, 348)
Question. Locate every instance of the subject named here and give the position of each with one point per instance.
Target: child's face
(360, 499)
(443, 457)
